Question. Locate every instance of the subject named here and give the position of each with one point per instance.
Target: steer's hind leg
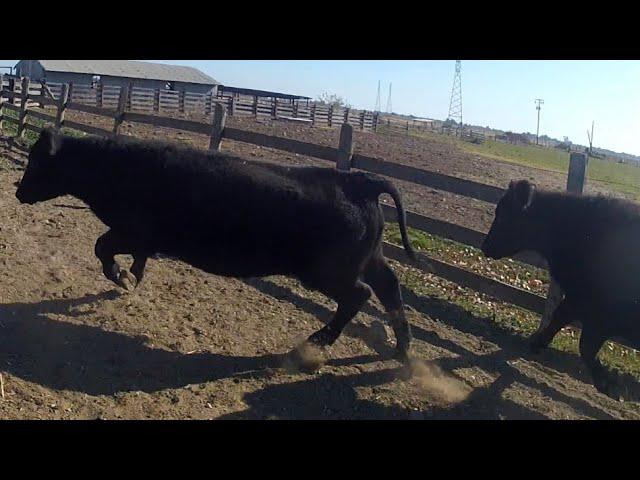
(350, 301)
(107, 247)
(386, 286)
(591, 340)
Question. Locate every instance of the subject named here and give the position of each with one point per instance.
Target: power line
(539, 102)
(455, 105)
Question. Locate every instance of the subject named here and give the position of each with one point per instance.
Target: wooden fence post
(255, 106)
(70, 93)
(1, 99)
(232, 106)
(99, 96)
(128, 105)
(575, 184)
(12, 82)
(330, 116)
(62, 105)
(42, 94)
(24, 97)
(208, 103)
(217, 128)
(362, 120)
(313, 114)
(376, 117)
(156, 100)
(346, 115)
(181, 101)
(122, 106)
(345, 150)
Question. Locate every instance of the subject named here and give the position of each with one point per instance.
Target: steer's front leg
(562, 316)
(113, 243)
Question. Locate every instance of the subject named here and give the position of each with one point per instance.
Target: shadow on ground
(67, 356)
(483, 403)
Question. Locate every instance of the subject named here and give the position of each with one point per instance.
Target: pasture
(191, 345)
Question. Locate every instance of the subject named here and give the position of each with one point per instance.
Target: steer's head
(512, 228)
(41, 180)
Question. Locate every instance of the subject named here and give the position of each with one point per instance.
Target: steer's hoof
(126, 280)
(307, 357)
(607, 385)
(403, 356)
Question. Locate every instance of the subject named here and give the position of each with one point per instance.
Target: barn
(119, 73)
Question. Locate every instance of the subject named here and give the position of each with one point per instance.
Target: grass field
(619, 177)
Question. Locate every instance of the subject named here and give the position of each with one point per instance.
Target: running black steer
(591, 244)
(229, 216)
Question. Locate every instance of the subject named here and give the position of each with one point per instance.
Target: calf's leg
(386, 286)
(591, 340)
(562, 316)
(112, 243)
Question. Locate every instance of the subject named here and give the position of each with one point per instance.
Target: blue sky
(498, 94)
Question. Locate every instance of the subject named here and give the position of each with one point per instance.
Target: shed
(119, 73)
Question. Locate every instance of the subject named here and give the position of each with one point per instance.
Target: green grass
(30, 137)
(617, 177)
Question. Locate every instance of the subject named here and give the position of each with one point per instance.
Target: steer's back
(233, 216)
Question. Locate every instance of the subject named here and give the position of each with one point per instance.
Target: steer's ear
(49, 140)
(523, 192)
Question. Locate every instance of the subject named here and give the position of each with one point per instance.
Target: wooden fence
(344, 159)
(169, 101)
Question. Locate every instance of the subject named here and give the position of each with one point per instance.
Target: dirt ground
(187, 344)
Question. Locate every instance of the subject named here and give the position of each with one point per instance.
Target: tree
(332, 99)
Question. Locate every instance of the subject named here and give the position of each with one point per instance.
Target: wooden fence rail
(344, 159)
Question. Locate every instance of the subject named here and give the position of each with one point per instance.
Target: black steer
(592, 246)
(228, 216)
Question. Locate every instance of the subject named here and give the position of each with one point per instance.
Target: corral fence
(163, 101)
(344, 159)
(415, 125)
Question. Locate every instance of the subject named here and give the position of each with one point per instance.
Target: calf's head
(41, 180)
(512, 227)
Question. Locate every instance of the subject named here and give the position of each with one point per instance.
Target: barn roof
(130, 69)
(259, 93)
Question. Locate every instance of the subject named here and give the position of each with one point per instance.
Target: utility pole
(590, 136)
(377, 109)
(389, 107)
(539, 102)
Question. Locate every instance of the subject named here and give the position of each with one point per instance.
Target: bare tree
(332, 99)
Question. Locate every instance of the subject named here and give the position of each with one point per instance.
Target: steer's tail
(382, 185)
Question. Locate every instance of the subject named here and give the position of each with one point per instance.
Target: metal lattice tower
(389, 108)
(377, 109)
(455, 106)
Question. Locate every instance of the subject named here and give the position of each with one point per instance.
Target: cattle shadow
(482, 403)
(69, 356)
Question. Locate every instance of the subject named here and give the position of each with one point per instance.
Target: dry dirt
(187, 344)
